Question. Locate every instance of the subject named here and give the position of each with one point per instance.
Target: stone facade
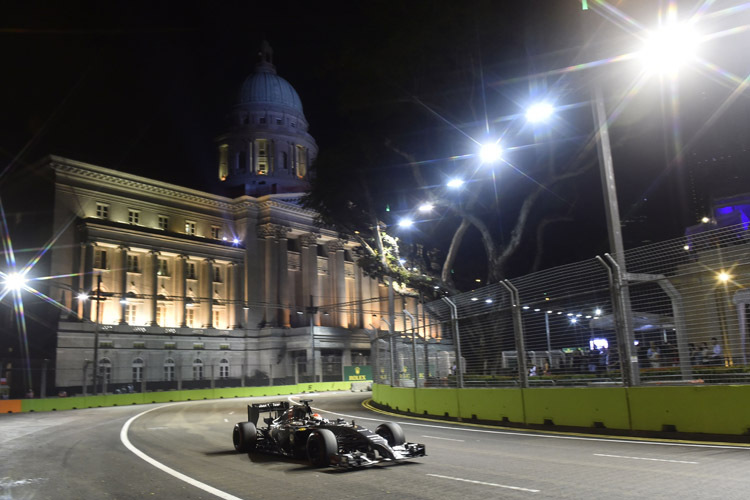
(190, 279)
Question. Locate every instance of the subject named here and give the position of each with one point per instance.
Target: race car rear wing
(254, 410)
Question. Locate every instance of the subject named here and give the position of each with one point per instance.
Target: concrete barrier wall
(702, 409)
(722, 409)
(72, 403)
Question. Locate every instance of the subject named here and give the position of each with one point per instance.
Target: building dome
(264, 86)
(266, 148)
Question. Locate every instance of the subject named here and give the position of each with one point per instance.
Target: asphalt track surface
(184, 450)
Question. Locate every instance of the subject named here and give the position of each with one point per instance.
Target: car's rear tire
(392, 433)
(321, 446)
(244, 436)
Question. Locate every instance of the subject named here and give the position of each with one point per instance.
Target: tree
(412, 108)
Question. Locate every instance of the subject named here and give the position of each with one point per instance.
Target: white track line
(182, 477)
(445, 439)
(485, 483)
(644, 458)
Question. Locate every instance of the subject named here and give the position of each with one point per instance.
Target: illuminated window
(190, 227)
(199, 346)
(170, 345)
(217, 319)
(102, 210)
(217, 274)
(223, 161)
(191, 271)
(215, 232)
(169, 370)
(133, 264)
(100, 259)
(134, 217)
(137, 369)
(160, 315)
(301, 161)
(163, 222)
(130, 314)
(190, 317)
(223, 368)
(262, 156)
(163, 269)
(139, 345)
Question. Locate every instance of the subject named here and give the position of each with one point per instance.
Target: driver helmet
(317, 417)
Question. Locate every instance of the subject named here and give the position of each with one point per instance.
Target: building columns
(235, 300)
(270, 283)
(153, 285)
(181, 289)
(206, 287)
(121, 280)
(309, 267)
(87, 277)
(283, 250)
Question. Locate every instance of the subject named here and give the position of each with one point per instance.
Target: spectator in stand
(693, 352)
(716, 352)
(704, 355)
(653, 355)
(669, 355)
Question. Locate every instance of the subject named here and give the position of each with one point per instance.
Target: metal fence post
(457, 342)
(624, 319)
(413, 346)
(391, 347)
(515, 300)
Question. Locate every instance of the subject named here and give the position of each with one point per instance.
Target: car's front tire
(321, 446)
(392, 433)
(244, 436)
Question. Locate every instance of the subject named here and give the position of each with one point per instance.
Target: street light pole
(312, 311)
(96, 332)
(629, 362)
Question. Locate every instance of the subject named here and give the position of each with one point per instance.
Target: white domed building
(198, 289)
(267, 148)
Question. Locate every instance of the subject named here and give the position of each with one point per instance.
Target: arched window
(224, 368)
(105, 371)
(138, 365)
(169, 369)
(198, 369)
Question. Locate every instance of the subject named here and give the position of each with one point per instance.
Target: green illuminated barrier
(577, 407)
(498, 405)
(721, 409)
(695, 409)
(440, 402)
(78, 402)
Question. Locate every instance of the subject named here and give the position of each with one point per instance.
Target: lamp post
(628, 361)
(98, 299)
(311, 311)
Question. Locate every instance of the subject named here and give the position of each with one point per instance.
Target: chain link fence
(676, 314)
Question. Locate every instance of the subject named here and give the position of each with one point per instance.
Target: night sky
(144, 87)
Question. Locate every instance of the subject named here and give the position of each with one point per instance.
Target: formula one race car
(296, 431)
